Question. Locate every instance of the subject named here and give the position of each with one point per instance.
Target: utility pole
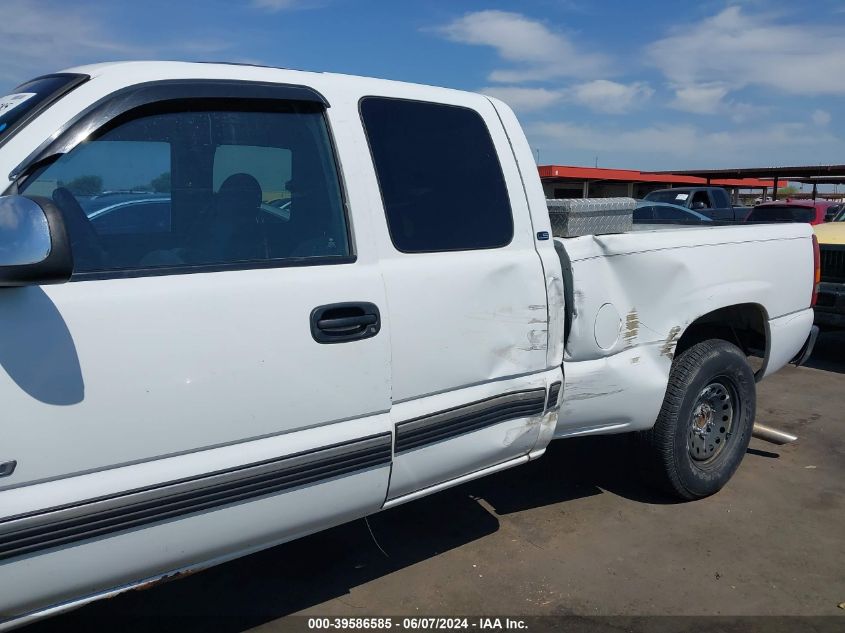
(537, 151)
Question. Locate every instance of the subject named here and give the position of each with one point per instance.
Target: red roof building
(564, 181)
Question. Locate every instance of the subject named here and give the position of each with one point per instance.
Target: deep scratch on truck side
(668, 347)
(632, 328)
(587, 395)
(530, 425)
(160, 580)
(537, 340)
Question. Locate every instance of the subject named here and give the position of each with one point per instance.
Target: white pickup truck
(243, 304)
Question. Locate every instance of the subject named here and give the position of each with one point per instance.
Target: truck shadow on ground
(289, 578)
(829, 352)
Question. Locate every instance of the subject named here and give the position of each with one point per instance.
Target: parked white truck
(243, 304)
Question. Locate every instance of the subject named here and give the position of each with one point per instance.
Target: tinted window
(644, 213)
(271, 167)
(133, 218)
(673, 196)
(440, 178)
(28, 98)
(700, 200)
(721, 199)
(666, 213)
(781, 213)
(205, 187)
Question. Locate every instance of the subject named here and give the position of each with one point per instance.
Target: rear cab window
(441, 182)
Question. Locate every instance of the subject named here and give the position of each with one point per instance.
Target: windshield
(673, 197)
(27, 100)
(840, 217)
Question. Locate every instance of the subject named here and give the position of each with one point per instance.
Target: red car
(811, 211)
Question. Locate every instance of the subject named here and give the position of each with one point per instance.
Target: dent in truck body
(663, 281)
(434, 463)
(540, 223)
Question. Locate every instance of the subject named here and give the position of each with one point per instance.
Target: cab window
(195, 188)
(700, 200)
(441, 182)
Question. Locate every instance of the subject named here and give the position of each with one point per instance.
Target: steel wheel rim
(712, 421)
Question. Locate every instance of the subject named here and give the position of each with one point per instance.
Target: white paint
(666, 279)
(671, 277)
(227, 359)
(442, 461)
(169, 377)
(210, 537)
(614, 393)
(107, 482)
(533, 192)
(204, 360)
(786, 337)
(455, 482)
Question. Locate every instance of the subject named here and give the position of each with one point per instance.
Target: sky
(641, 85)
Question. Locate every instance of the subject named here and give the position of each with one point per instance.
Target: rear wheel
(704, 425)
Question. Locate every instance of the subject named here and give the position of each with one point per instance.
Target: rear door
(465, 288)
(221, 334)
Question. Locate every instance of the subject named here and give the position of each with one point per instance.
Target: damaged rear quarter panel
(660, 282)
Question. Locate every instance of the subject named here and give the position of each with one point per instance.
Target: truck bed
(646, 286)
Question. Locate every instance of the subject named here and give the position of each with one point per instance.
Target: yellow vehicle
(830, 306)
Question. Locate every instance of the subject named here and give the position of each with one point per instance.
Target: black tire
(703, 380)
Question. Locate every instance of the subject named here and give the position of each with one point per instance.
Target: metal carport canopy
(802, 173)
(782, 173)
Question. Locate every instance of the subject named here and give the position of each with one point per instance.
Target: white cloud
(736, 49)
(712, 99)
(610, 96)
(671, 139)
(539, 52)
(36, 38)
(676, 146)
(600, 95)
(523, 99)
(700, 98)
(515, 37)
(820, 117)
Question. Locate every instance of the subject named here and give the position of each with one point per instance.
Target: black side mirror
(34, 244)
(698, 204)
